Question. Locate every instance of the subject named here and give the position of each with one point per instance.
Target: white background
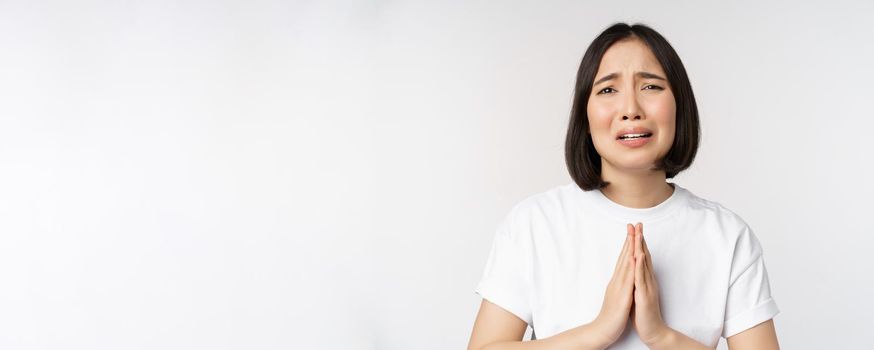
(317, 175)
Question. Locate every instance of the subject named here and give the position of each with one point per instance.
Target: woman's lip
(633, 143)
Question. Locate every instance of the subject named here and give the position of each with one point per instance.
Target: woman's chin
(635, 166)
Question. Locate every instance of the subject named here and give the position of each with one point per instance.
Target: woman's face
(638, 96)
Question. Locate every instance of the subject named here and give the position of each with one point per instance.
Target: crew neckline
(623, 213)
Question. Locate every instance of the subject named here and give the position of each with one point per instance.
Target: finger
(628, 276)
(639, 282)
(647, 261)
(628, 262)
(638, 249)
(641, 272)
(649, 276)
(646, 249)
(647, 272)
(621, 272)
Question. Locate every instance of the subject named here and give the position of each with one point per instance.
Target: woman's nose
(631, 109)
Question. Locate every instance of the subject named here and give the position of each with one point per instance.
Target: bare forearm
(584, 337)
(677, 340)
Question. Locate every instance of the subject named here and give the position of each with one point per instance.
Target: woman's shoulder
(717, 213)
(551, 201)
(543, 207)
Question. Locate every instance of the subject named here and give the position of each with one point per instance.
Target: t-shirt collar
(633, 215)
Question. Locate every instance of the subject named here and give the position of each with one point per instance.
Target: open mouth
(634, 136)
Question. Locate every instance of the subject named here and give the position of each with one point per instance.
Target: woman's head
(630, 77)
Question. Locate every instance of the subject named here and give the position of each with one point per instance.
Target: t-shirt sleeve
(506, 279)
(749, 300)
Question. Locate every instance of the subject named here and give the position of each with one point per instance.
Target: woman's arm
(761, 337)
(676, 340)
(498, 329)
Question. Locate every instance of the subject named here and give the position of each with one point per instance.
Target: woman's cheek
(599, 122)
(598, 111)
(665, 106)
(658, 108)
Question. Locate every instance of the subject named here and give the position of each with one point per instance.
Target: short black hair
(583, 161)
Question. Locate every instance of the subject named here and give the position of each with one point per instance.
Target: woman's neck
(635, 188)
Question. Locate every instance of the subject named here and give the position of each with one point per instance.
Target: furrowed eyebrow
(646, 75)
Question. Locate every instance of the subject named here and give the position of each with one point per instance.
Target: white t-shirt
(555, 252)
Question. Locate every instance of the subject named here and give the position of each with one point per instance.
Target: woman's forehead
(628, 55)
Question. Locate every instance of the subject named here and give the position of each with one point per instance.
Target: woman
(695, 275)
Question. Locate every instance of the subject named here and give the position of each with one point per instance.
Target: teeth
(632, 136)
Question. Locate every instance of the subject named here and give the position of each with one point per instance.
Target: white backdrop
(318, 175)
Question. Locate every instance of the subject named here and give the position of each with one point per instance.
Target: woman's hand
(646, 317)
(618, 298)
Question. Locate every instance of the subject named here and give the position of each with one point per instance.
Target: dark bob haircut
(583, 161)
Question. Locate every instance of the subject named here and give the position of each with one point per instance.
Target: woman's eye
(602, 90)
(656, 87)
